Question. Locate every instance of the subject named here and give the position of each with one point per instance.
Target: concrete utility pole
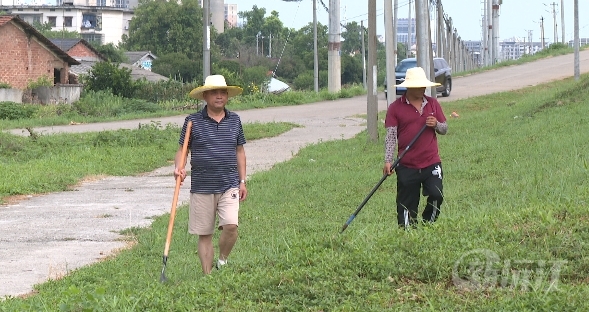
(409, 30)
(490, 57)
(334, 49)
(562, 21)
(542, 32)
(390, 32)
(206, 55)
(496, 31)
(485, 46)
(315, 49)
(424, 46)
(440, 30)
(363, 54)
(577, 65)
(372, 100)
(555, 38)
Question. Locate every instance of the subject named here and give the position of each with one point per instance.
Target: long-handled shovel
(384, 176)
(175, 200)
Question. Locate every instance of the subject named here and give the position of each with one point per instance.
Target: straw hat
(215, 82)
(415, 78)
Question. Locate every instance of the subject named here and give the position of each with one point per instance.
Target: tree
(45, 30)
(165, 27)
(352, 40)
(179, 67)
(110, 52)
(108, 76)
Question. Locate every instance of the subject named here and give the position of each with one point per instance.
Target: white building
(105, 23)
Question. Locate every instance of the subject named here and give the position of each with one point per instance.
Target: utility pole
(206, 55)
(334, 49)
(490, 57)
(485, 45)
(315, 49)
(424, 46)
(440, 30)
(409, 30)
(390, 31)
(542, 31)
(495, 31)
(562, 21)
(576, 18)
(270, 45)
(363, 53)
(372, 100)
(555, 38)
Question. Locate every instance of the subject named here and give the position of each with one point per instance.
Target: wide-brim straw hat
(215, 82)
(415, 78)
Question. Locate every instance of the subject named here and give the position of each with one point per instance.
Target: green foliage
(165, 27)
(12, 111)
(178, 66)
(108, 76)
(4, 85)
(306, 80)
(163, 90)
(105, 104)
(42, 81)
(110, 52)
(255, 79)
(46, 30)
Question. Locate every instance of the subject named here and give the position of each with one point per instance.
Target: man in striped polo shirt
(218, 170)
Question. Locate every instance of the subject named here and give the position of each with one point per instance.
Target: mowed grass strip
(511, 237)
(49, 163)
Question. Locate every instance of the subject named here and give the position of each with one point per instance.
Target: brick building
(26, 55)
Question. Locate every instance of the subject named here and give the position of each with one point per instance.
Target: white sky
(516, 16)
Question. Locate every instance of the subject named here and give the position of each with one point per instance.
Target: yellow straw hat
(415, 78)
(215, 82)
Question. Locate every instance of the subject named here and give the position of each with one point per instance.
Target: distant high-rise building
(403, 31)
(231, 14)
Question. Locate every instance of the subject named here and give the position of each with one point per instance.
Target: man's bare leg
(206, 252)
(227, 240)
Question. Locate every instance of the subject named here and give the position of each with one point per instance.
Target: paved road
(44, 237)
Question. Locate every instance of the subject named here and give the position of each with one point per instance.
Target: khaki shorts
(204, 208)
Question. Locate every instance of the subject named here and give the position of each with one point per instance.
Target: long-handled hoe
(384, 176)
(175, 201)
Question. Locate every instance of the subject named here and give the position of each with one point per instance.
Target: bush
(163, 90)
(4, 85)
(43, 81)
(13, 111)
(99, 104)
(108, 76)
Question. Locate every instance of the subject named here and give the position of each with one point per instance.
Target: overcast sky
(516, 16)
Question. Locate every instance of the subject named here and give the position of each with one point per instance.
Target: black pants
(409, 183)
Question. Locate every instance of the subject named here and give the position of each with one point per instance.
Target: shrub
(13, 111)
(163, 90)
(99, 104)
(108, 76)
(4, 85)
(43, 81)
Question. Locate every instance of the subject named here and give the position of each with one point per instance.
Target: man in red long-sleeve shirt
(421, 165)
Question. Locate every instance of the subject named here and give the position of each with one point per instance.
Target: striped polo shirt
(213, 156)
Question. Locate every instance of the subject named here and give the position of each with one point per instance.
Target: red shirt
(408, 120)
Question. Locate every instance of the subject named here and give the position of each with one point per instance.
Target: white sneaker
(220, 263)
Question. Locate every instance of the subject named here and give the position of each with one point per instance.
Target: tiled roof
(135, 56)
(136, 73)
(67, 43)
(5, 19)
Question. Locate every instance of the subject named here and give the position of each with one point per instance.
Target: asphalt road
(46, 236)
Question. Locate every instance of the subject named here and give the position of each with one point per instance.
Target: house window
(92, 37)
(52, 20)
(88, 21)
(67, 22)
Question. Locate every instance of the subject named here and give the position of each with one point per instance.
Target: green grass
(101, 107)
(515, 188)
(49, 163)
